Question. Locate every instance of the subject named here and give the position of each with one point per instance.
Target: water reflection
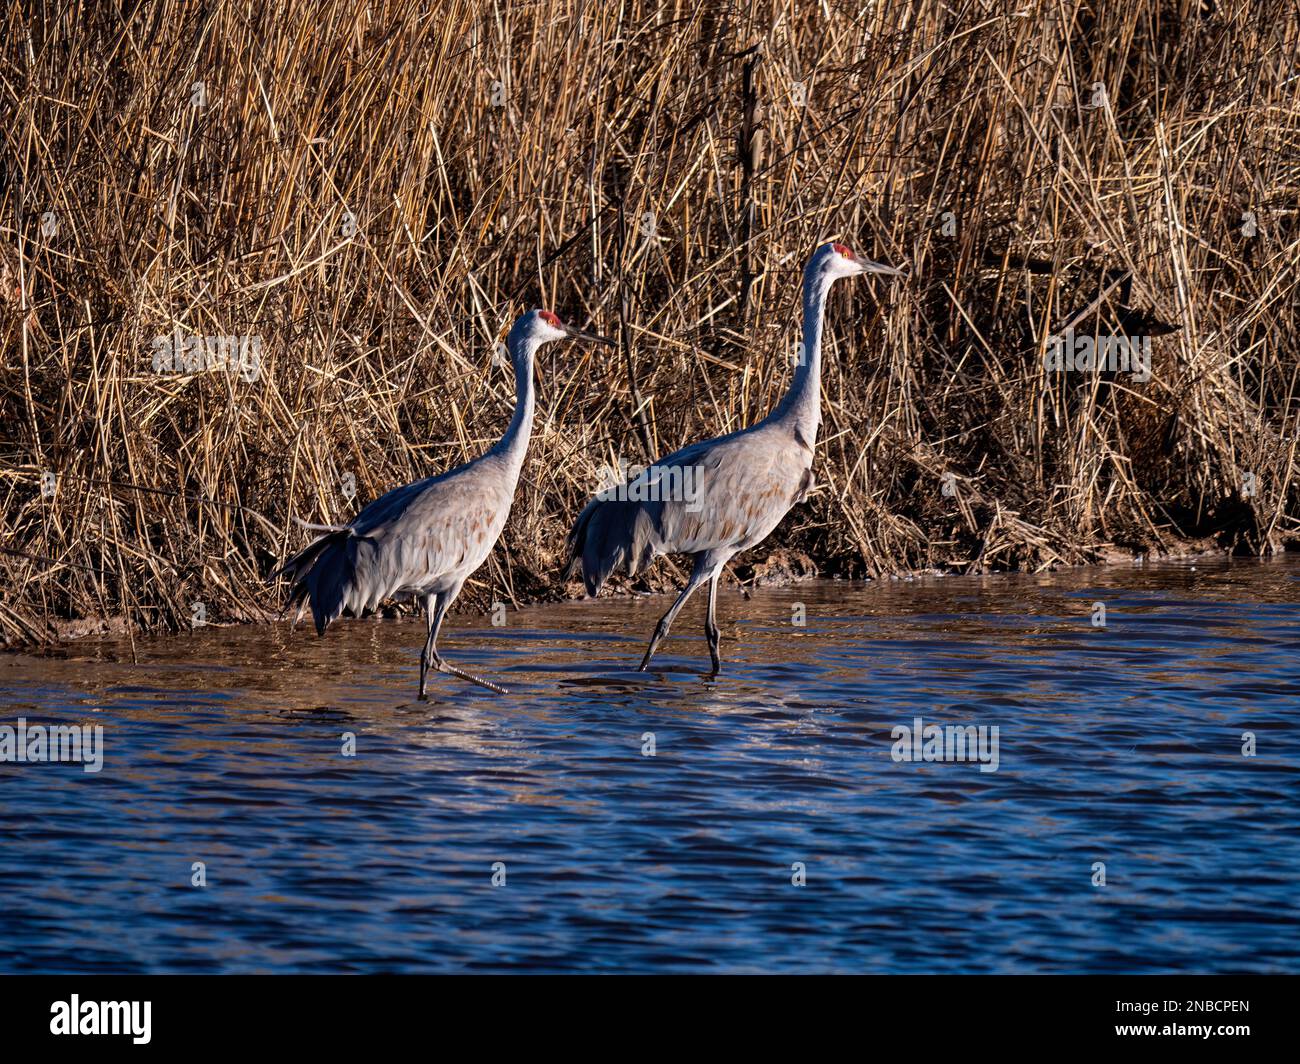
(1120, 745)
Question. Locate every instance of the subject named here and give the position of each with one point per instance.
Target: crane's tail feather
(610, 533)
(321, 574)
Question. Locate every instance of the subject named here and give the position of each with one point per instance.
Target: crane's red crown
(844, 250)
(550, 319)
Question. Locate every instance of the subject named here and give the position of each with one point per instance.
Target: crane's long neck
(514, 444)
(800, 410)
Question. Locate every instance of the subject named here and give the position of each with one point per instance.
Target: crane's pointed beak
(588, 338)
(867, 266)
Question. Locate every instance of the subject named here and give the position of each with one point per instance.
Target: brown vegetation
(375, 190)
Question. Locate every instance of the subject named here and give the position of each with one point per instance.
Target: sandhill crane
(714, 499)
(426, 538)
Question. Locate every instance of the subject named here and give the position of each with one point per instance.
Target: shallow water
(1120, 745)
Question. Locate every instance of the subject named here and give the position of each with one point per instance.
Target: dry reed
(375, 190)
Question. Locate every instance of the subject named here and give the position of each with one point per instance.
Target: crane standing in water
(427, 538)
(714, 499)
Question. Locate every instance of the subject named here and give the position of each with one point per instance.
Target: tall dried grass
(376, 189)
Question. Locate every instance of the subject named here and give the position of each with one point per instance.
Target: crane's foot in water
(442, 666)
(439, 665)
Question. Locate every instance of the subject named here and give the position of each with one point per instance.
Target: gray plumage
(427, 538)
(713, 499)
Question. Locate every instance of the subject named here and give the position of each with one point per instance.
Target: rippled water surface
(1121, 745)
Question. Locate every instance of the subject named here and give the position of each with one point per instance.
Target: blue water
(1120, 745)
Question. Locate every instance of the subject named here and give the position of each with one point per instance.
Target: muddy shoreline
(781, 567)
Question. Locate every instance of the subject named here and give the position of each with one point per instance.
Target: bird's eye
(843, 249)
(550, 319)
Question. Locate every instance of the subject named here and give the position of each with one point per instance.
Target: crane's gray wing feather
(722, 494)
(415, 538)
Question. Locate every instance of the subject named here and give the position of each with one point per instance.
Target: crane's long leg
(430, 656)
(435, 607)
(698, 575)
(710, 623)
